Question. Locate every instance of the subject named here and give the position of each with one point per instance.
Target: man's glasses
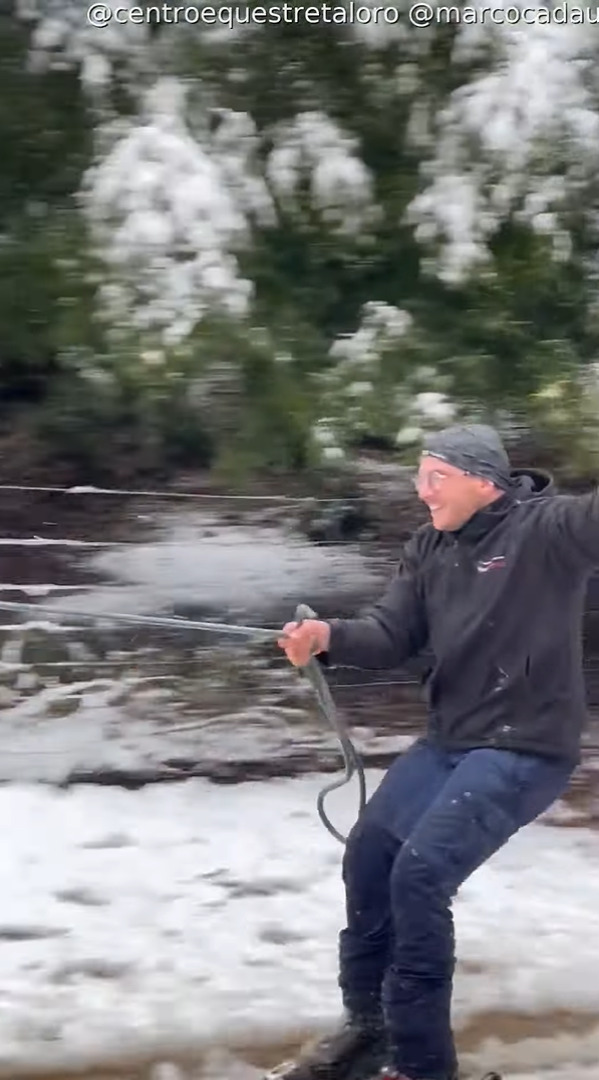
(434, 479)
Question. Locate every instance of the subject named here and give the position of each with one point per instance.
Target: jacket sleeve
(392, 632)
(571, 527)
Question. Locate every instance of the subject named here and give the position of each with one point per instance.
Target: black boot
(355, 1051)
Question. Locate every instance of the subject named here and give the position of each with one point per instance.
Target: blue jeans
(435, 818)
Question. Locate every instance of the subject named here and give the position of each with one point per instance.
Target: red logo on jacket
(491, 564)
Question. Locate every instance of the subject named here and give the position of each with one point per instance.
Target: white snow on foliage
(502, 138)
(358, 385)
(171, 198)
(173, 201)
(62, 33)
(382, 325)
(313, 147)
(168, 210)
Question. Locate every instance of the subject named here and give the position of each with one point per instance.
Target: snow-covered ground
(74, 699)
(191, 915)
(198, 920)
(194, 558)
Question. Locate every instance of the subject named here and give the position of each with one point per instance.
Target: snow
(38, 590)
(79, 696)
(313, 146)
(502, 137)
(175, 191)
(379, 25)
(451, 209)
(61, 34)
(358, 384)
(50, 541)
(382, 326)
(189, 914)
(243, 567)
(86, 695)
(434, 406)
(173, 200)
(166, 210)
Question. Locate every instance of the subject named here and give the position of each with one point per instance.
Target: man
(494, 585)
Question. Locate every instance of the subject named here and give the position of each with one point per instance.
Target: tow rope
(312, 670)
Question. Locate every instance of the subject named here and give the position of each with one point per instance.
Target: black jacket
(500, 605)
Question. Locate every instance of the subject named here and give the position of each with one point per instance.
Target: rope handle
(352, 761)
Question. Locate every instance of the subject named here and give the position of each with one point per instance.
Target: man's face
(452, 496)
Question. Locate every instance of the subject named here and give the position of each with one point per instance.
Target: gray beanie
(475, 448)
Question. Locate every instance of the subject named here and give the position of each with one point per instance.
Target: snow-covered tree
(359, 229)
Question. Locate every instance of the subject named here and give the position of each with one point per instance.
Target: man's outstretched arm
(571, 529)
(388, 635)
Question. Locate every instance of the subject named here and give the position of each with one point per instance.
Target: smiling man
(453, 493)
(494, 586)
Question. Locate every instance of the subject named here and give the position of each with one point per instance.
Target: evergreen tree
(304, 237)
